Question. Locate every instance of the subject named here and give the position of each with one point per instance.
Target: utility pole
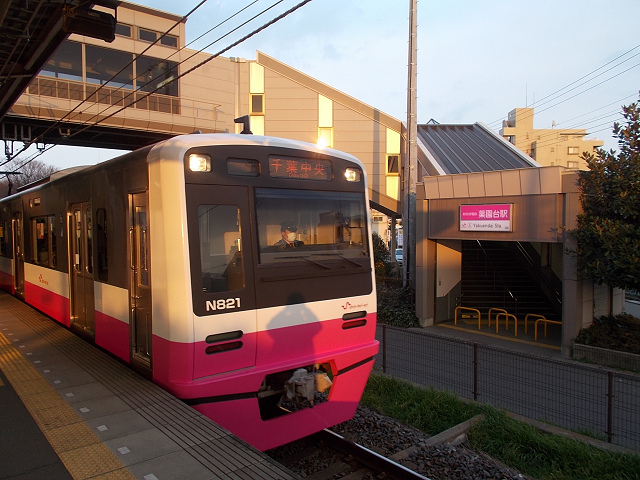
(411, 156)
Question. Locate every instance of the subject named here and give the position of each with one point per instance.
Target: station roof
(30, 31)
(453, 149)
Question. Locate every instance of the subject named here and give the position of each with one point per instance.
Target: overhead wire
(587, 89)
(554, 138)
(540, 101)
(114, 76)
(551, 135)
(204, 62)
(153, 79)
(566, 128)
(554, 95)
(25, 42)
(147, 94)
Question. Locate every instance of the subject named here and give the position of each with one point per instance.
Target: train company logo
(351, 306)
(42, 280)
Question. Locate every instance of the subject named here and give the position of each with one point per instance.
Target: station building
(131, 92)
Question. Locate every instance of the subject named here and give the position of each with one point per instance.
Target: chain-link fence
(594, 400)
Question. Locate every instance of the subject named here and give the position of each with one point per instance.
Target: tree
(380, 255)
(608, 231)
(29, 173)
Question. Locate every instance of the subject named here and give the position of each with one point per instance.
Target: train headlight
(352, 174)
(199, 162)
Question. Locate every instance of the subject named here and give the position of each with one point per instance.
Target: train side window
(101, 243)
(220, 248)
(77, 241)
(40, 241)
(4, 239)
(89, 234)
(44, 241)
(53, 249)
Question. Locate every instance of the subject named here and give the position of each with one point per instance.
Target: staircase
(493, 276)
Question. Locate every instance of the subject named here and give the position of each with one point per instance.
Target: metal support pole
(475, 371)
(610, 397)
(411, 156)
(384, 348)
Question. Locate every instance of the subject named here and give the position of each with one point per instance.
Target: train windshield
(296, 224)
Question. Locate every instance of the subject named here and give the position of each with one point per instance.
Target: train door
(223, 277)
(18, 255)
(140, 291)
(81, 259)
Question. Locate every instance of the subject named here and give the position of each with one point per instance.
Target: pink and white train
(233, 270)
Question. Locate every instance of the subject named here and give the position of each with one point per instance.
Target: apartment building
(548, 146)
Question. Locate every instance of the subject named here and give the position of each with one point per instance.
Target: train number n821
(223, 304)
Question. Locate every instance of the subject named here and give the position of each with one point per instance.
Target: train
(235, 271)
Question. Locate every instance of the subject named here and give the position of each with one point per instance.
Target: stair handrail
(505, 287)
(543, 276)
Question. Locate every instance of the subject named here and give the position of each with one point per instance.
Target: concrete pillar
(577, 296)
(572, 297)
(425, 267)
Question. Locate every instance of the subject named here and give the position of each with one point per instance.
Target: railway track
(327, 455)
(361, 449)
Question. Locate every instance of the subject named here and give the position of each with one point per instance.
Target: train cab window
(220, 248)
(296, 225)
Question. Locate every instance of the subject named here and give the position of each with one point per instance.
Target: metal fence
(589, 399)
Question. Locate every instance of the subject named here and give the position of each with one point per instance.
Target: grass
(520, 446)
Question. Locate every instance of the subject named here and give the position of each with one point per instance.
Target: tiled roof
(451, 149)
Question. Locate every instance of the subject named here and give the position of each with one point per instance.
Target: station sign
(299, 168)
(486, 218)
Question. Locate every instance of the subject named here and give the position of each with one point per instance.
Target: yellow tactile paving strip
(82, 453)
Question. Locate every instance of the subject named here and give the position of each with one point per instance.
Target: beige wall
(291, 111)
(449, 262)
(292, 102)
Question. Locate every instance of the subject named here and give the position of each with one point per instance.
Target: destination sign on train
(300, 168)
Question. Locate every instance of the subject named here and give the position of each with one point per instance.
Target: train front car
(282, 293)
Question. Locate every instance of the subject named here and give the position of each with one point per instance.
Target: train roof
(199, 139)
(178, 145)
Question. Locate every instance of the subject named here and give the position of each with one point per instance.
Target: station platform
(70, 411)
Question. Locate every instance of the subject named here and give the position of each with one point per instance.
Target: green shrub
(381, 257)
(614, 332)
(395, 303)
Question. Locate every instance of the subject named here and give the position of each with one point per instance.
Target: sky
(575, 63)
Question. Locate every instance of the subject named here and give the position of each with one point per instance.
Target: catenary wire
(531, 115)
(494, 123)
(134, 58)
(148, 82)
(251, 34)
